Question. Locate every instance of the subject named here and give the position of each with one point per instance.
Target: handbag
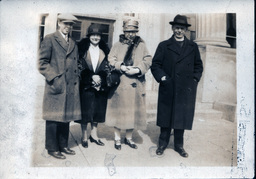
(113, 77)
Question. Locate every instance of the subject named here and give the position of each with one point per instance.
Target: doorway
(79, 30)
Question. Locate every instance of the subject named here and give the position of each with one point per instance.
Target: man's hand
(163, 78)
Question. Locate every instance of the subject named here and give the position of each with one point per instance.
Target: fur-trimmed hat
(130, 25)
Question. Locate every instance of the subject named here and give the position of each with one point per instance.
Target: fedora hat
(130, 25)
(180, 20)
(67, 18)
(94, 29)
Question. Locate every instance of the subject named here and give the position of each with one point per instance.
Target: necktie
(66, 38)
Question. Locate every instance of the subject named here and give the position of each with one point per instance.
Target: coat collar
(88, 60)
(68, 47)
(185, 51)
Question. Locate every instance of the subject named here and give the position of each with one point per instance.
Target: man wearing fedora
(58, 57)
(178, 67)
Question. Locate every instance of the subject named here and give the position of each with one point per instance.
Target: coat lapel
(71, 46)
(88, 61)
(186, 49)
(101, 58)
(173, 46)
(61, 40)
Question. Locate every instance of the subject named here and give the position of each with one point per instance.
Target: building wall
(218, 83)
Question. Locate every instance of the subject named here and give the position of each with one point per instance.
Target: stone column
(211, 29)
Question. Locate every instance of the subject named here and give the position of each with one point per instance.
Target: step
(208, 114)
(200, 114)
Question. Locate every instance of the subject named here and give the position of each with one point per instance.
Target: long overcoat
(93, 102)
(58, 64)
(126, 109)
(177, 95)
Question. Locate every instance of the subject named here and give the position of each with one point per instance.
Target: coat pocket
(57, 85)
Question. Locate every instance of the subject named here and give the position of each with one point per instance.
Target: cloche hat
(94, 29)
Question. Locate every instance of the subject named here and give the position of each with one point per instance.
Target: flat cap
(67, 18)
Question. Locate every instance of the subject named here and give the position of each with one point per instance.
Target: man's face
(95, 39)
(179, 31)
(65, 27)
(130, 35)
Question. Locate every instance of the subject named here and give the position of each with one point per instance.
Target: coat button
(75, 71)
(66, 70)
(75, 83)
(74, 58)
(67, 83)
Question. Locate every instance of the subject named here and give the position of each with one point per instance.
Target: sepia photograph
(127, 89)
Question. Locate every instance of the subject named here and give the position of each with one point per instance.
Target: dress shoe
(130, 143)
(118, 144)
(68, 151)
(160, 150)
(84, 143)
(56, 154)
(98, 142)
(181, 151)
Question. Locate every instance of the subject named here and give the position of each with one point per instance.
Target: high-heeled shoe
(117, 146)
(128, 142)
(98, 142)
(84, 143)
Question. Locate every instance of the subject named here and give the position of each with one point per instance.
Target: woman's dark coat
(177, 95)
(93, 103)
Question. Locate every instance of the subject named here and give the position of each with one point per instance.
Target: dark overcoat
(58, 64)
(93, 102)
(177, 95)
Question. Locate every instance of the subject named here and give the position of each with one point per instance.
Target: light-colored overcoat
(126, 109)
(58, 64)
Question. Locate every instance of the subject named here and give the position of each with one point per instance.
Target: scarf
(128, 61)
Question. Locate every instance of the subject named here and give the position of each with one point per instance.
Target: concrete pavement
(211, 143)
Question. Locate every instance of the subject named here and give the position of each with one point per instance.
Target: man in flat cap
(177, 66)
(58, 56)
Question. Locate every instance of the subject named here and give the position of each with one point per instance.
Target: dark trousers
(165, 137)
(56, 135)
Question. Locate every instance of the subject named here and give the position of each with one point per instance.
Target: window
(231, 30)
(41, 27)
(80, 29)
(191, 32)
(76, 30)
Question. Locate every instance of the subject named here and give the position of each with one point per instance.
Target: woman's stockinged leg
(94, 126)
(84, 132)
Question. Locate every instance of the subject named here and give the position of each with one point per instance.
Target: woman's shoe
(131, 144)
(84, 143)
(118, 144)
(98, 142)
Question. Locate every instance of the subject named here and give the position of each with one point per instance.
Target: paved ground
(211, 143)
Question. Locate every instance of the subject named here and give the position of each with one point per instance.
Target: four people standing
(126, 109)
(177, 66)
(93, 53)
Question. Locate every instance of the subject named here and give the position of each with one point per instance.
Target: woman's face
(130, 35)
(95, 39)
